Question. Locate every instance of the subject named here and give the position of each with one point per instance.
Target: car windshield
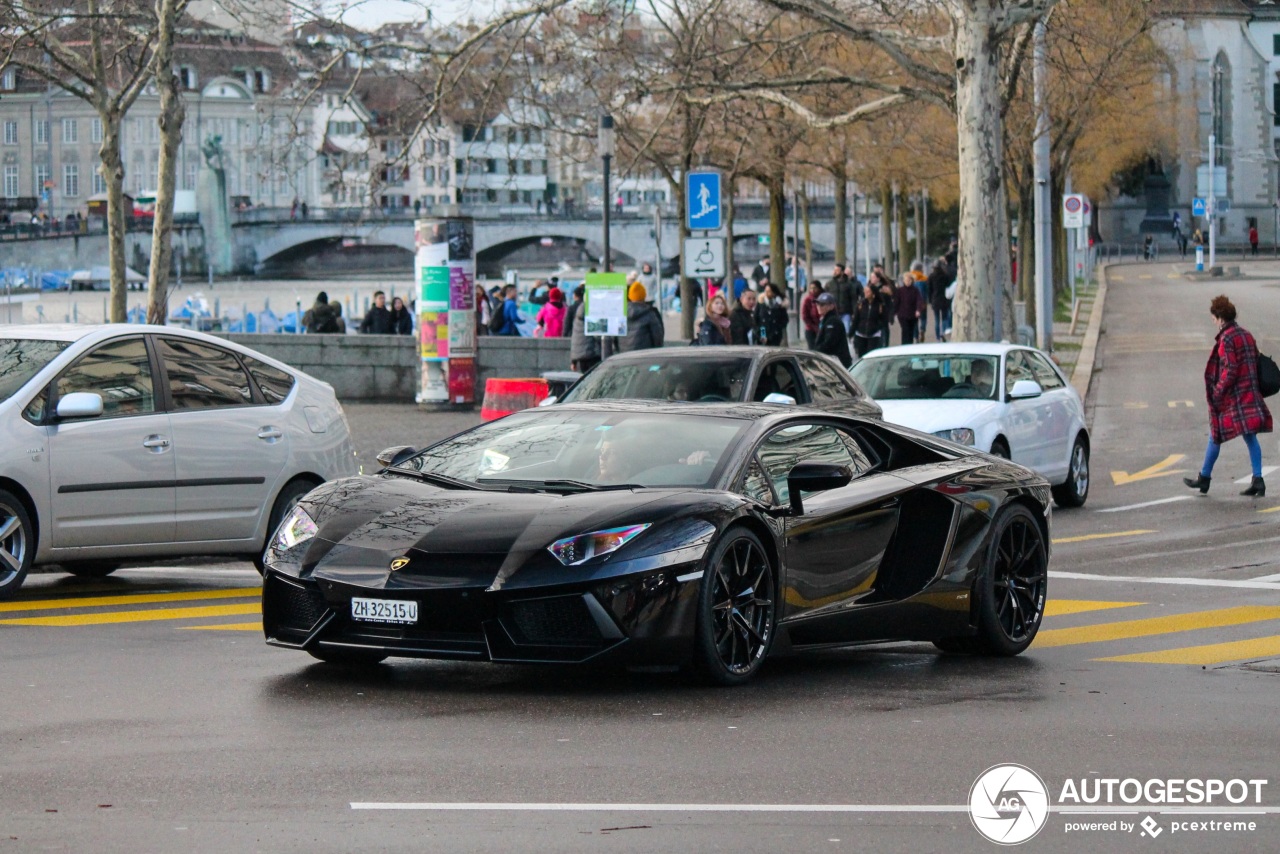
(557, 449)
(701, 379)
(929, 376)
(21, 359)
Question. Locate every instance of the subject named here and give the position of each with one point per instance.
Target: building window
(187, 77)
(1275, 45)
(11, 182)
(10, 133)
(189, 175)
(10, 80)
(444, 148)
(428, 147)
(261, 80)
(429, 175)
(42, 132)
(70, 131)
(41, 177)
(135, 132)
(95, 130)
(70, 180)
(99, 183)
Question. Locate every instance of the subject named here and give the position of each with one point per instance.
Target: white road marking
(1253, 584)
(1266, 470)
(1275, 577)
(1231, 546)
(1144, 504)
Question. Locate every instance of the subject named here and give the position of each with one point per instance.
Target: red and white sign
(1073, 207)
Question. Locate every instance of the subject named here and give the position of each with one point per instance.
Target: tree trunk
(808, 243)
(172, 114)
(731, 186)
(984, 223)
(1060, 281)
(917, 249)
(1027, 249)
(902, 260)
(777, 228)
(111, 166)
(688, 287)
(842, 212)
(886, 230)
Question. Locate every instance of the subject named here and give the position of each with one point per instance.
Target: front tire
(1012, 588)
(737, 610)
(1075, 491)
(17, 544)
(1000, 448)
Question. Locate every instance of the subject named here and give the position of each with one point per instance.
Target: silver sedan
(126, 442)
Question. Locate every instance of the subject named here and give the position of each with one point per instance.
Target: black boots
(1257, 488)
(1201, 483)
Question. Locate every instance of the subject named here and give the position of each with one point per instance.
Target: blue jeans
(941, 322)
(1255, 455)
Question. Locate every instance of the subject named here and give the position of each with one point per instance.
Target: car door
(829, 390)
(230, 449)
(1023, 418)
(834, 549)
(1059, 415)
(111, 477)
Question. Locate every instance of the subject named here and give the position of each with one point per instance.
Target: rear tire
(285, 502)
(1012, 587)
(737, 610)
(91, 568)
(17, 544)
(1075, 491)
(347, 657)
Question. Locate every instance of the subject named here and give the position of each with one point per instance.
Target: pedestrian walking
(743, 328)
(377, 320)
(810, 318)
(831, 339)
(507, 320)
(551, 315)
(1148, 248)
(1253, 239)
(484, 310)
(645, 330)
(401, 318)
(584, 349)
(772, 316)
(940, 278)
(868, 321)
(320, 317)
(338, 319)
(1236, 407)
(907, 307)
(714, 328)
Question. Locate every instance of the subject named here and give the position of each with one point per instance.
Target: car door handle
(154, 442)
(270, 434)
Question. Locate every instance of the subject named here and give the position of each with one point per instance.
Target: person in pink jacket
(551, 315)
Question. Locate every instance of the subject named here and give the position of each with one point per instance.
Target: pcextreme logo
(1009, 804)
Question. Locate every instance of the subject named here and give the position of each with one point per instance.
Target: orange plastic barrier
(503, 396)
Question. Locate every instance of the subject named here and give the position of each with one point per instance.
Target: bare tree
(172, 115)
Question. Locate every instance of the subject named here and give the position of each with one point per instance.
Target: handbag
(1268, 375)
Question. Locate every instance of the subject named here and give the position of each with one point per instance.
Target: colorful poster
(462, 332)
(434, 331)
(462, 288)
(433, 285)
(605, 304)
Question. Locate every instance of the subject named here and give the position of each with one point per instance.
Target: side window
(120, 372)
(825, 383)
(202, 377)
(756, 483)
(1015, 369)
(275, 383)
(807, 443)
(778, 378)
(1045, 374)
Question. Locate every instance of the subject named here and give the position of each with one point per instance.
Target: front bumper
(646, 617)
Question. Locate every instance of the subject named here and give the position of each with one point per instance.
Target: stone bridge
(632, 236)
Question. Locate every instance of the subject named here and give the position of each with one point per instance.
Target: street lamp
(606, 146)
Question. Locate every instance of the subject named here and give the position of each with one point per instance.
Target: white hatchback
(1004, 399)
(125, 442)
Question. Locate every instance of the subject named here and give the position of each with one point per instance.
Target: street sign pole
(657, 239)
(1211, 203)
(1043, 199)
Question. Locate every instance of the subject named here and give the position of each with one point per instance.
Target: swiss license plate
(384, 610)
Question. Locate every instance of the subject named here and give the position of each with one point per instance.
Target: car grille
(296, 608)
(556, 620)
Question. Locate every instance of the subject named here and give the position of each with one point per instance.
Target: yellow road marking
(1135, 404)
(1083, 537)
(1144, 276)
(1157, 626)
(136, 616)
(135, 599)
(1213, 653)
(1174, 404)
(1275, 509)
(1120, 478)
(1062, 607)
(227, 627)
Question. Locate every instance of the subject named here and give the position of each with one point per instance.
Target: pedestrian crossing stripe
(1102, 632)
(136, 616)
(1063, 607)
(1212, 653)
(134, 599)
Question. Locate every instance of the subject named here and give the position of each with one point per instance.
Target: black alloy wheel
(737, 609)
(17, 544)
(1014, 585)
(1075, 490)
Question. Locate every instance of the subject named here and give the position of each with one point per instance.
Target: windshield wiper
(437, 479)
(590, 487)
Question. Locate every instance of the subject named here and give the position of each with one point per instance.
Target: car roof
(742, 411)
(49, 331)
(976, 348)
(701, 353)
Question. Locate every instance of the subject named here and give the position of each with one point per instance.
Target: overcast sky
(366, 14)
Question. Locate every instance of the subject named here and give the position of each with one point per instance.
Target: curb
(1083, 373)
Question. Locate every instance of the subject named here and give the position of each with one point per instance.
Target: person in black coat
(868, 321)
(743, 328)
(772, 317)
(401, 318)
(377, 320)
(831, 340)
(940, 278)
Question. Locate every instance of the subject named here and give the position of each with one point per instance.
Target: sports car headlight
(963, 435)
(297, 528)
(575, 550)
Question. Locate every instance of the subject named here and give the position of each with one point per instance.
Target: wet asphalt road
(187, 733)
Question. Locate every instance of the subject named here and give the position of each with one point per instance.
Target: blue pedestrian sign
(1197, 207)
(702, 204)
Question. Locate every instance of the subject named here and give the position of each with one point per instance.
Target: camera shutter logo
(1008, 804)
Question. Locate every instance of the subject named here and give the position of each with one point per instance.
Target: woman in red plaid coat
(1236, 407)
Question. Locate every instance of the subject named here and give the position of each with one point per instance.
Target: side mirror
(395, 455)
(80, 404)
(778, 397)
(815, 477)
(547, 401)
(1025, 389)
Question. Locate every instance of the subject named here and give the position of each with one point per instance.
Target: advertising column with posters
(445, 272)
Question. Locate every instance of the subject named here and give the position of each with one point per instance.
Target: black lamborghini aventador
(654, 533)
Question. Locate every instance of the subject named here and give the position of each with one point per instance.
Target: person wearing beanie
(644, 325)
(320, 317)
(551, 315)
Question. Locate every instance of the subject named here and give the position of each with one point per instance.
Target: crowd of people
(325, 317)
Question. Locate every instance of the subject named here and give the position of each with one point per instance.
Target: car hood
(454, 537)
(930, 416)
